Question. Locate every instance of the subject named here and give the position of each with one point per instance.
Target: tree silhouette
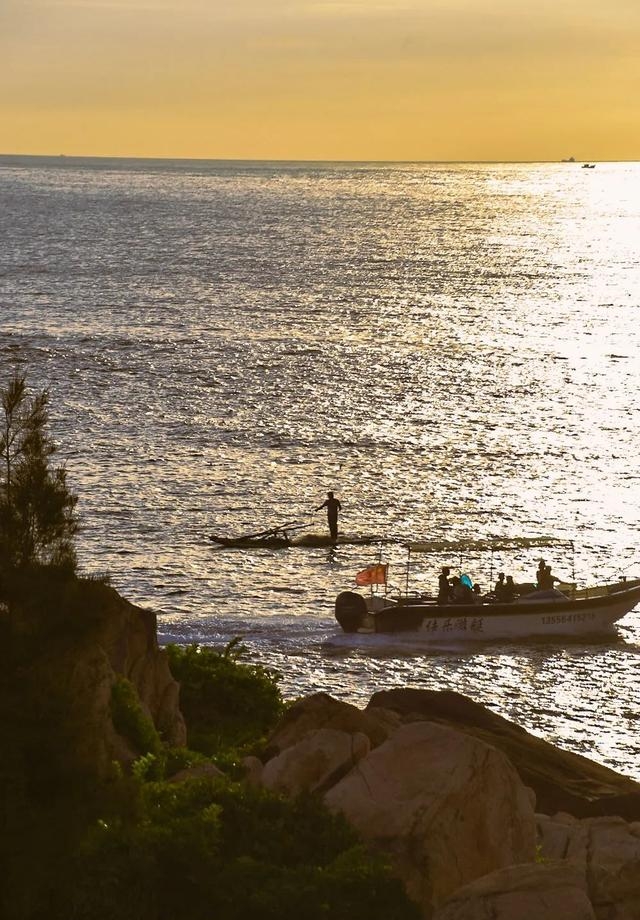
(37, 520)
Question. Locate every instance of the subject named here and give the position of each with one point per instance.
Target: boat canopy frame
(487, 545)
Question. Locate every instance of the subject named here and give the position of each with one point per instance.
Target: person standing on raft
(333, 506)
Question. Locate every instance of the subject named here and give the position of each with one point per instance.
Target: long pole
(380, 563)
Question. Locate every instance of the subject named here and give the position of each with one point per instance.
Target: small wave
(281, 589)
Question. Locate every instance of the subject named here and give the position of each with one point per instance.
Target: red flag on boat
(373, 575)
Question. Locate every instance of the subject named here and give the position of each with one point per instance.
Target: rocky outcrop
(323, 711)
(128, 635)
(316, 762)
(606, 852)
(446, 808)
(562, 781)
(63, 657)
(539, 892)
(71, 689)
(441, 786)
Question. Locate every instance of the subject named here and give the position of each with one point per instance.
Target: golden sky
(322, 79)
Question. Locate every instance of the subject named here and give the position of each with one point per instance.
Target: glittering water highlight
(451, 348)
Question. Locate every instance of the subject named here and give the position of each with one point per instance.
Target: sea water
(451, 348)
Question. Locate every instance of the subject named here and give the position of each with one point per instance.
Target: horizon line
(280, 160)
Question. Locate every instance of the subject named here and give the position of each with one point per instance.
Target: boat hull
(482, 622)
(249, 543)
(283, 541)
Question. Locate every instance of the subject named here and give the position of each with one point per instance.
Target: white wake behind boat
(565, 611)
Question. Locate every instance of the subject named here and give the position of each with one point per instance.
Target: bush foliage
(227, 702)
(209, 849)
(130, 721)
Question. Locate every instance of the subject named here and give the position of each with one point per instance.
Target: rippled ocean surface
(453, 349)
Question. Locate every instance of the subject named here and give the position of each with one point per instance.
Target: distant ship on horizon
(569, 160)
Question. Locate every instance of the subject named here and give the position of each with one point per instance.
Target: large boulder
(323, 711)
(554, 891)
(562, 781)
(563, 837)
(253, 769)
(607, 853)
(315, 763)
(445, 807)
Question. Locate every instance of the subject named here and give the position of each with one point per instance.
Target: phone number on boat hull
(568, 618)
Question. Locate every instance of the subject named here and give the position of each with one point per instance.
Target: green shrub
(227, 703)
(209, 848)
(181, 758)
(130, 721)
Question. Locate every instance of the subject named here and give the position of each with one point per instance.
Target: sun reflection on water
(450, 348)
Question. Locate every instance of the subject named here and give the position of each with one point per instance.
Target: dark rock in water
(562, 781)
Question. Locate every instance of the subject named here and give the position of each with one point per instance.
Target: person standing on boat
(333, 506)
(444, 588)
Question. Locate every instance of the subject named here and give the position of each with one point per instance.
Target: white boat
(565, 611)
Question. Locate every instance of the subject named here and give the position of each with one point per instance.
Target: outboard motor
(351, 611)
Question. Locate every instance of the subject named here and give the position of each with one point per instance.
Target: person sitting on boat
(477, 593)
(333, 506)
(509, 591)
(499, 588)
(462, 592)
(540, 572)
(546, 580)
(444, 588)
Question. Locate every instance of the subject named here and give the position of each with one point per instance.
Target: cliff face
(64, 650)
(128, 636)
